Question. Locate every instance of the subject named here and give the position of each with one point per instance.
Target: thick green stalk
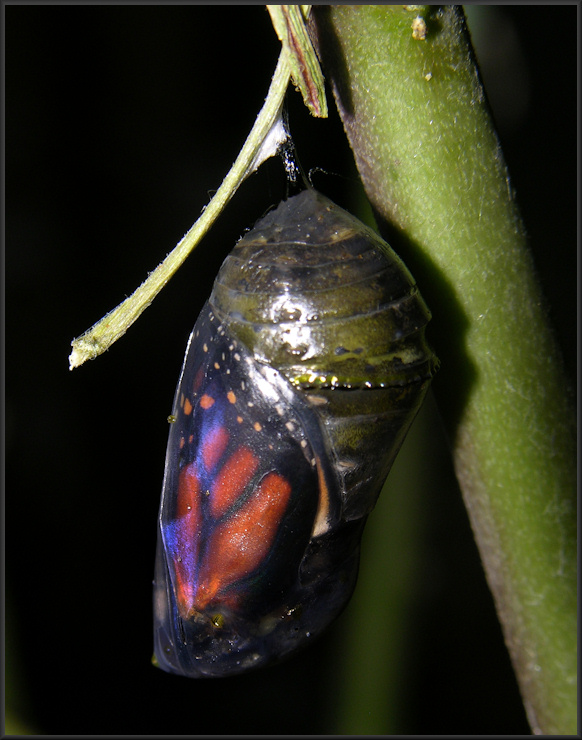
(409, 94)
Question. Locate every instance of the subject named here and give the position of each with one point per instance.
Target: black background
(120, 120)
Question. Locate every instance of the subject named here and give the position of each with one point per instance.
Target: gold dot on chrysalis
(217, 620)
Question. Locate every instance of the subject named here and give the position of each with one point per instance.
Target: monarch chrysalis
(308, 360)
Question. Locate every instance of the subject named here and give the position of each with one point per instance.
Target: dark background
(120, 120)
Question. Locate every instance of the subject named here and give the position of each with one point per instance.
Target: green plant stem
(297, 59)
(424, 143)
(262, 142)
(289, 24)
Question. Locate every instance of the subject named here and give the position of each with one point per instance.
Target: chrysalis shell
(302, 376)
